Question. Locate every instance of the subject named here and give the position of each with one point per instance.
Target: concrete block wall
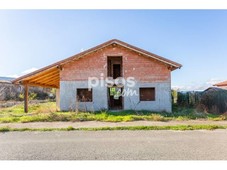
(162, 98)
(68, 93)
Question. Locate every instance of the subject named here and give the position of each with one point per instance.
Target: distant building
(222, 85)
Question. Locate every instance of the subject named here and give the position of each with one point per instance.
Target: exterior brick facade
(140, 67)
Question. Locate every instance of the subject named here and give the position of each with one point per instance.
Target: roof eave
(173, 65)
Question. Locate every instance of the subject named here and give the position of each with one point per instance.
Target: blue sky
(31, 39)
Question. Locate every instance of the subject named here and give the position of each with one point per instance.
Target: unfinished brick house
(151, 75)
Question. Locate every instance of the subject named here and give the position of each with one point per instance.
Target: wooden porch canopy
(48, 78)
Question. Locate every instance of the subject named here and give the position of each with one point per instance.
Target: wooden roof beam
(44, 75)
(43, 85)
(46, 78)
(48, 81)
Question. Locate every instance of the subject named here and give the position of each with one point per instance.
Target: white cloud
(13, 76)
(214, 81)
(23, 72)
(29, 70)
(197, 86)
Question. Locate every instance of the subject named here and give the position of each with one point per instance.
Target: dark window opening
(84, 95)
(114, 67)
(147, 94)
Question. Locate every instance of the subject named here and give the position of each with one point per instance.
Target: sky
(197, 39)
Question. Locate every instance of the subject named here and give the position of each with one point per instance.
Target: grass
(46, 112)
(178, 127)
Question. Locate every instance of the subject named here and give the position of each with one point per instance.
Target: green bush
(214, 101)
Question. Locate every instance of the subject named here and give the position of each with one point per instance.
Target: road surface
(114, 145)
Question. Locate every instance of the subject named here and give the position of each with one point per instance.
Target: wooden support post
(26, 98)
(58, 99)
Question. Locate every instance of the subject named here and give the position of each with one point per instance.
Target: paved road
(112, 145)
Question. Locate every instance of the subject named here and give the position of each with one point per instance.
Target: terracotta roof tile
(224, 83)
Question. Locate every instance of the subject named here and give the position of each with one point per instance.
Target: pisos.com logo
(121, 86)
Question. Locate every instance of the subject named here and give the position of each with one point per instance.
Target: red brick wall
(142, 68)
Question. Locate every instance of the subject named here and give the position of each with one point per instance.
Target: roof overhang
(49, 76)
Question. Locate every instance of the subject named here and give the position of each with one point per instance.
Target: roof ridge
(175, 65)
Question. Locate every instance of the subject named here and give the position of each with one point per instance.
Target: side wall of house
(146, 71)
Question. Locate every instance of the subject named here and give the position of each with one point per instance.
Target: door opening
(115, 98)
(114, 70)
